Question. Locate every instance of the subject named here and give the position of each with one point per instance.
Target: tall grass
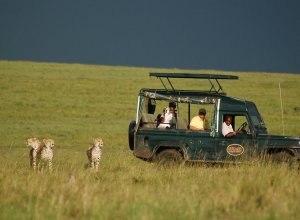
(72, 103)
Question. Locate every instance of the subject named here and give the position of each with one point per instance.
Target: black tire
(284, 157)
(131, 134)
(169, 158)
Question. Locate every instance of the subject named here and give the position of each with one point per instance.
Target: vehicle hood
(281, 141)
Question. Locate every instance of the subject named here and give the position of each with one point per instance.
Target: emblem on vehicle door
(235, 149)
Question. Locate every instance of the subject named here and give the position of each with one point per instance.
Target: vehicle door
(200, 145)
(239, 147)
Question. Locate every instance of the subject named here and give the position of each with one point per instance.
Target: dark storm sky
(254, 35)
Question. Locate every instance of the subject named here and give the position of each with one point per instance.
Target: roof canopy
(215, 87)
(193, 76)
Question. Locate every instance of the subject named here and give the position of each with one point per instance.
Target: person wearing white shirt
(227, 129)
(168, 116)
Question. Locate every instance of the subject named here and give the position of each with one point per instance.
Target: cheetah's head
(33, 143)
(49, 143)
(98, 142)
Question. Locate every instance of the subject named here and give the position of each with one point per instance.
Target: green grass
(73, 103)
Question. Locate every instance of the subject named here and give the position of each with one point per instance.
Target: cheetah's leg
(34, 155)
(92, 165)
(97, 164)
(31, 157)
(50, 165)
(39, 166)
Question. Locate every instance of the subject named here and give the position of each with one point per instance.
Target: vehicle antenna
(281, 109)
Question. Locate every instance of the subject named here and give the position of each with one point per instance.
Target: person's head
(172, 106)
(228, 119)
(202, 113)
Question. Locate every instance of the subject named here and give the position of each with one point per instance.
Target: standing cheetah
(35, 149)
(47, 152)
(94, 153)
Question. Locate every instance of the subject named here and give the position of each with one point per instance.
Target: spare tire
(131, 134)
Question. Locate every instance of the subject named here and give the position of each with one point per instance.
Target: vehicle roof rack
(216, 88)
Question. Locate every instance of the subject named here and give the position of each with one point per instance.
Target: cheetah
(47, 152)
(35, 150)
(40, 152)
(94, 153)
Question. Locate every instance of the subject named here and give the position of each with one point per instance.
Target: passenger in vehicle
(227, 129)
(168, 117)
(199, 122)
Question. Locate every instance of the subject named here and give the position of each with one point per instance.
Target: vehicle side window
(239, 124)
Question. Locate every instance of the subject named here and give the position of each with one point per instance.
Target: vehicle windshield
(256, 119)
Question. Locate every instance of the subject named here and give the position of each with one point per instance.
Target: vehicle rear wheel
(169, 158)
(285, 157)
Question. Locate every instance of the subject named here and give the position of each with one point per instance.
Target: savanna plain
(72, 103)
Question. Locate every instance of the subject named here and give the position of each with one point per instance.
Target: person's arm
(230, 134)
(195, 128)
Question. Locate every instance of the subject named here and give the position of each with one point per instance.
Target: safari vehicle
(178, 143)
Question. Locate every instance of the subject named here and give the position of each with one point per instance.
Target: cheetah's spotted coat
(94, 153)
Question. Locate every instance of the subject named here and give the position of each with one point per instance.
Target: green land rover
(178, 143)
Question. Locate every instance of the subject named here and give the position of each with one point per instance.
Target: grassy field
(73, 103)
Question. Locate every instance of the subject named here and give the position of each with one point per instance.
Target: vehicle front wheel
(169, 158)
(283, 157)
